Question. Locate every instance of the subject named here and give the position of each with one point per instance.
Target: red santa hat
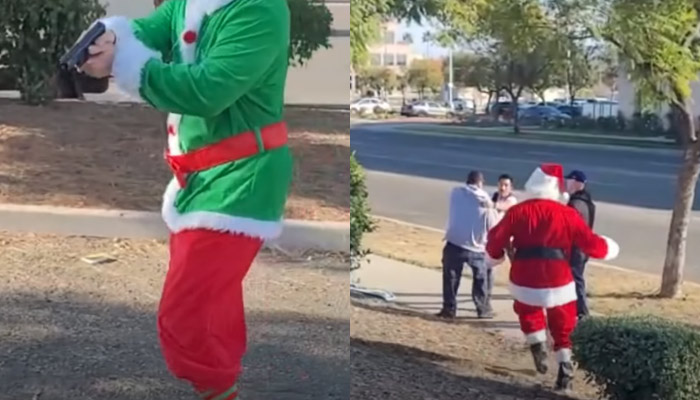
(547, 182)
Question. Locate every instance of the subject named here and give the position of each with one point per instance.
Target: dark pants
(578, 266)
(453, 260)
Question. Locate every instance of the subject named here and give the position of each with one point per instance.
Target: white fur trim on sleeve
(536, 337)
(130, 56)
(613, 249)
(493, 262)
(563, 355)
(546, 297)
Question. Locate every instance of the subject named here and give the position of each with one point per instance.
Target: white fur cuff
(130, 56)
(492, 262)
(563, 355)
(613, 249)
(536, 337)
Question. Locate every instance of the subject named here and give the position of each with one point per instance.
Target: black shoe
(539, 356)
(446, 314)
(565, 377)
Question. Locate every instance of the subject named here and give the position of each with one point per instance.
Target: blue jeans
(453, 260)
(578, 267)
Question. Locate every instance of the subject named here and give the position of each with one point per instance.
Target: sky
(417, 31)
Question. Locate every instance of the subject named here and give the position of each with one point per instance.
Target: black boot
(539, 355)
(446, 314)
(565, 377)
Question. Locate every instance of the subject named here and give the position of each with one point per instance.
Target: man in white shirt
(471, 215)
(504, 197)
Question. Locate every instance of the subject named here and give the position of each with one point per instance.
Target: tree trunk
(514, 109)
(672, 277)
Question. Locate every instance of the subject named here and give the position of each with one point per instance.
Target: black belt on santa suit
(540, 253)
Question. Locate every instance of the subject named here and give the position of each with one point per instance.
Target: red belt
(242, 145)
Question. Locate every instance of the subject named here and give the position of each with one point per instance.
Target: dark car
(572, 111)
(544, 115)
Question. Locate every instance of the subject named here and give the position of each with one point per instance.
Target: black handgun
(72, 83)
(78, 54)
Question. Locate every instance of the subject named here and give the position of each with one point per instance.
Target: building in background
(320, 82)
(392, 52)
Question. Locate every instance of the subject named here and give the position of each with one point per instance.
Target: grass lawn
(611, 291)
(542, 135)
(82, 154)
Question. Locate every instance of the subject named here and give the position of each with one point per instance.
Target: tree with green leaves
(481, 71)
(522, 39)
(379, 79)
(659, 43)
(425, 75)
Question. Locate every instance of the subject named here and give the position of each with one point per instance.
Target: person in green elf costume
(218, 67)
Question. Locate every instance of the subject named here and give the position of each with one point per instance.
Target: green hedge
(639, 358)
(34, 35)
(360, 220)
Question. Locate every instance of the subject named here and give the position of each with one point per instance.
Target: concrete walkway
(419, 290)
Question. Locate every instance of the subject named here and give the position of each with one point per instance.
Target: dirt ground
(416, 358)
(611, 291)
(83, 154)
(69, 330)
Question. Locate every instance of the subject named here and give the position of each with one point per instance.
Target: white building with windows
(391, 52)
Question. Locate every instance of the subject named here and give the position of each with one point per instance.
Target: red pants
(201, 322)
(561, 319)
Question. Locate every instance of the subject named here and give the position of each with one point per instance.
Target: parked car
(425, 109)
(370, 105)
(572, 111)
(503, 109)
(543, 115)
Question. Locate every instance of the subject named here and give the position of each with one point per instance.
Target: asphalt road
(409, 176)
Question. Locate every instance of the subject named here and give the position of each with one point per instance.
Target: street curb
(296, 234)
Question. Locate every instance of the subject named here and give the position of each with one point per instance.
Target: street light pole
(450, 85)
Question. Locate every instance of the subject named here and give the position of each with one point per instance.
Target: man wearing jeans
(471, 215)
(583, 203)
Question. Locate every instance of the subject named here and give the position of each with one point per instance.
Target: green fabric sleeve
(154, 31)
(250, 39)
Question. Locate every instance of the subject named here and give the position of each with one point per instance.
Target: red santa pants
(201, 322)
(561, 321)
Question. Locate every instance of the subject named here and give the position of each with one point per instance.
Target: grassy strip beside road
(540, 135)
(611, 291)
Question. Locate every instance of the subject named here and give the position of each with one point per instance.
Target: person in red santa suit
(543, 231)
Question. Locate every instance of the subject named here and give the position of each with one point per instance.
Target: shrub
(583, 123)
(35, 34)
(639, 358)
(647, 124)
(609, 124)
(360, 220)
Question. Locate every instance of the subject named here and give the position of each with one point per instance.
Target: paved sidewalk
(420, 290)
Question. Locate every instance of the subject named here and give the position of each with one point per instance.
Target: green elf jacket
(219, 68)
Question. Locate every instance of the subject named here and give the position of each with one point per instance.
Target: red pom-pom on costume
(189, 37)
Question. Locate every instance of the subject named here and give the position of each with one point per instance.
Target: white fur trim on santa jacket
(545, 298)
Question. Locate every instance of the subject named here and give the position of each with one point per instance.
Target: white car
(425, 109)
(370, 106)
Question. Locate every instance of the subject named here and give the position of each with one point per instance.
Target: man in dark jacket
(581, 201)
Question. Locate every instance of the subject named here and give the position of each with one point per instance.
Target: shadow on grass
(63, 346)
(391, 371)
